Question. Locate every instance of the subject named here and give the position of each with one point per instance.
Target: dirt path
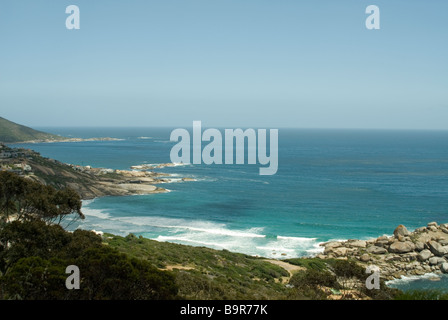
(179, 267)
(287, 266)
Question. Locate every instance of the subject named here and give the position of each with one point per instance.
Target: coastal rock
(332, 244)
(444, 267)
(365, 257)
(420, 230)
(357, 243)
(419, 246)
(410, 256)
(376, 250)
(424, 255)
(412, 266)
(432, 224)
(444, 230)
(382, 241)
(339, 252)
(405, 253)
(401, 247)
(393, 258)
(437, 248)
(436, 260)
(401, 231)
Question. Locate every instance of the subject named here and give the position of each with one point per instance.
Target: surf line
(212, 153)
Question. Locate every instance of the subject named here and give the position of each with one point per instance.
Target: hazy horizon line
(241, 127)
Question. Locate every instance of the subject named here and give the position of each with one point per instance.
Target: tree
(35, 278)
(30, 238)
(25, 199)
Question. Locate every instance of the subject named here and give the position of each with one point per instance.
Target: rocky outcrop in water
(421, 251)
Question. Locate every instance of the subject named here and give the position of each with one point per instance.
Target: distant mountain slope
(11, 132)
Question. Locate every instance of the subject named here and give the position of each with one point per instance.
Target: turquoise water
(429, 281)
(330, 184)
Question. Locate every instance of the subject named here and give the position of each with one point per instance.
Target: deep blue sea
(330, 184)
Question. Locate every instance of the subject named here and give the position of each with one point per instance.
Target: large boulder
(401, 247)
(401, 231)
(437, 248)
(376, 250)
(420, 230)
(383, 241)
(419, 246)
(331, 246)
(444, 267)
(357, 243)
(432, 224)
(340, 251)
(436, 260)
(364, 258)
(424, 255)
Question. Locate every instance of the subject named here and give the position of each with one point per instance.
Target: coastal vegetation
(35, 251)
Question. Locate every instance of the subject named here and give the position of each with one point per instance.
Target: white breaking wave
(407, 279)
(316, 249)
(251, 241)
(199, 226)
(183, 239)
(98, 213)
(296, 238)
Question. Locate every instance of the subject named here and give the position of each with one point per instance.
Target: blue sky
(228, 63)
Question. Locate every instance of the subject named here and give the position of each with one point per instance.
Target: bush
(310, 283)
(31, 238)
(108, 274)
(34, 278)
(34, 256)
(422, 295)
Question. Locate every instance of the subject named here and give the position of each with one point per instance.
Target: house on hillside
(5, 154)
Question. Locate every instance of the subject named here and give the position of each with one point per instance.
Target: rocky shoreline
(109, 182)
(119, 183)
(88, 181)
(424, 250)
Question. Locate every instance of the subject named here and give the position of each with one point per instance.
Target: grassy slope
(11, 132)
(204, 273)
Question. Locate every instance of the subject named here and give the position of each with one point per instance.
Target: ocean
(330, 185)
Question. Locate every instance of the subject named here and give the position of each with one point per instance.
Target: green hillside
(11, 132)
